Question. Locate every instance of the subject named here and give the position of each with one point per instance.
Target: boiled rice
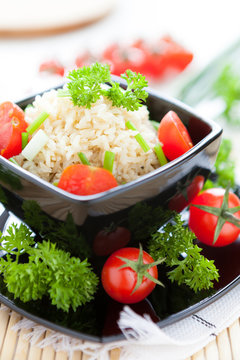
(73, 129)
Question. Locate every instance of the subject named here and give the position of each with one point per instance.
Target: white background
(205, 27)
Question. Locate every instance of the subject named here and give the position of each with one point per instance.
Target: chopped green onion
(13, 161)
(37, 123)
(83, 158)
(55, 183)
(160, 154)
(155, 124)
(24, 139)
(144, 145)
(108, 160)
(63, 92)
(35, 145)
(28, 106)
(130, 126)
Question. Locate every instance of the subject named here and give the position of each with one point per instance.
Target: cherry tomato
(121, 58)
(174, 136)
(186, 193)
(175, 55)
(109, 240)
(53, 67)
(119, 283)
(85, 59)
(12, 124)
(203, 224)
(82, 179)
(152, 59)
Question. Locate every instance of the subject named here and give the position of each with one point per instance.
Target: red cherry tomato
(185, 195)
(203, 224)
(174, 136)
(119, 283)
(152, 59)
(85, 59)
(175, 55)
(82, 179)
(120, 58)
(109, 240)
(12, 124)
(53, 67)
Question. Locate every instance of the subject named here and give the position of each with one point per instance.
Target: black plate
(97, 321)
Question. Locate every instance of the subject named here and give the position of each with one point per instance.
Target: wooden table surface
(13, 345)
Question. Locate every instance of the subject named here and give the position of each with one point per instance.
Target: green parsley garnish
(86, 87)
(174, 242)
(48, 271)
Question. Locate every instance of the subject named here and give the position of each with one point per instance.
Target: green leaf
(86, 87)
(48, 271)
(175, 243)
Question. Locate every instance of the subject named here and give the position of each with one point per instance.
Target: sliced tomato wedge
(174, 136)
(12, 124)
(82, 179)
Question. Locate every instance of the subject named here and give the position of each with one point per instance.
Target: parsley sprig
(48, 271)
(86, 87)
(187, 266)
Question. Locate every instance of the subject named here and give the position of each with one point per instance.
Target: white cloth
(144, 339)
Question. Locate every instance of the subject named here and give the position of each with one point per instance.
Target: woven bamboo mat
(13, 346)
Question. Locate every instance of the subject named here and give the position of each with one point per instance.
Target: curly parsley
(187, 266)
(48, 271)
(86, 87)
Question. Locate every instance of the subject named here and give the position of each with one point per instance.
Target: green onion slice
(35, 145)
(108, 160)
(13, 161)
(155, 124)
(160, 154)
(24, 139)
(63, 92)
(28, 106)
(144, 145)
(83, 158)
(37, 122)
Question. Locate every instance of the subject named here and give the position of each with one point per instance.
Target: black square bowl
(170, 186)
(161, 184)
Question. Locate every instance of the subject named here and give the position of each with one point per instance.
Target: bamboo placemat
(13, 346)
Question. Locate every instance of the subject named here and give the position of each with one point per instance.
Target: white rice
(73, 129)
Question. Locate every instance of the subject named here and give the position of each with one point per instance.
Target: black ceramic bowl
(162, 185)
(132, 206)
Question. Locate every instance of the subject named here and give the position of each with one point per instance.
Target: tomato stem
(140, 268)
